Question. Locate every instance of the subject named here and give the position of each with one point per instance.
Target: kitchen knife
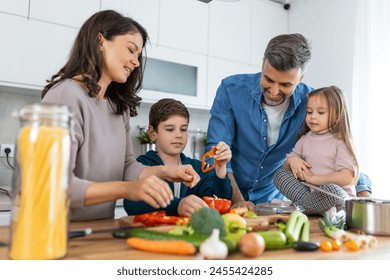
(322, 190)
(89, 231)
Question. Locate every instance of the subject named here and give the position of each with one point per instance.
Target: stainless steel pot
(371, 216)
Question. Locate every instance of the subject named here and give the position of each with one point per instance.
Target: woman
(99, 83)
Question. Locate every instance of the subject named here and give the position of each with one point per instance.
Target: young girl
(323, 156)
(99, 83)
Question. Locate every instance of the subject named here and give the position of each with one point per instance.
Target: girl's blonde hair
(339, 124)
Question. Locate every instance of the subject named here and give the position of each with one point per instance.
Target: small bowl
(276, 208)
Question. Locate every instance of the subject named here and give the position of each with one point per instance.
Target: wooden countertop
(102, 246)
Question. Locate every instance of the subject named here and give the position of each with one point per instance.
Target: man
(259, 116)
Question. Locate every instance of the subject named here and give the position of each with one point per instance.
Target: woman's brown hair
(85, 60)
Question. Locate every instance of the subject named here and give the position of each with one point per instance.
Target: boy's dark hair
(165, 108)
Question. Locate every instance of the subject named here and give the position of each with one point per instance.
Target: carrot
(179, 247)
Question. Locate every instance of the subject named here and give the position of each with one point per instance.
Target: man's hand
(246, 204)
(364, 194)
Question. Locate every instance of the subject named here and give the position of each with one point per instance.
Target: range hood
(208, 1)
(282, 2)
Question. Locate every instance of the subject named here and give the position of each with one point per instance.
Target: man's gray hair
(287, 52)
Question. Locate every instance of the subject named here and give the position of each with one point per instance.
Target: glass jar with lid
(39, 224)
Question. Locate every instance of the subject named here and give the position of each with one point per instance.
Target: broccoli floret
(204, 220)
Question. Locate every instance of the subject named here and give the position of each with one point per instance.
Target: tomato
(336, 244)
(222, 205)
(326, 246)
(352, 245)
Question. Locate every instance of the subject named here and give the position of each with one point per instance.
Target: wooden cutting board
(264, 222)
(128, 221)
(257, 224)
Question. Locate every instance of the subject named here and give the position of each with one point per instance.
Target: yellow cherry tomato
(336, 244)
(326, 246)
(352, 245)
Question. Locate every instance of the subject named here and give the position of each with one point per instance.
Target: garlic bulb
(213, 248)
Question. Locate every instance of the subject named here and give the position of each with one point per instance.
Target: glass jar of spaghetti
(39, 225)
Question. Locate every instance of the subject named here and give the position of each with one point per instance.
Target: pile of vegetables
(220, 233)
(335, 230)
(214, 236)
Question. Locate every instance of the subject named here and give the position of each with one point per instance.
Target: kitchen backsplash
(9, 126)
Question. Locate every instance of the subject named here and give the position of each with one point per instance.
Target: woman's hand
(183, 173)
(189, 205)
(152, 190)
(173, 173)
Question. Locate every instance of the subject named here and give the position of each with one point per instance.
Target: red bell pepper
(221, 204)
(160, 218)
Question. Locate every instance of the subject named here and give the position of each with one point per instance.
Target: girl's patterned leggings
(314, 202)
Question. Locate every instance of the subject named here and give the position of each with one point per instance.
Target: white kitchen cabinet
(19, 7)
(184, 25)
(144, 12)
(70, 12)
(220, 69)
(198, 100)
(5, 218)
(230, 30)
(33, 51)
(264, 13)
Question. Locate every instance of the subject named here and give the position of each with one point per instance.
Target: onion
(252, 244)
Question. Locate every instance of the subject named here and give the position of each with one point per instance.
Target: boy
(168, 127)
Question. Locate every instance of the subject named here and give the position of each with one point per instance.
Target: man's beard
(271, 102)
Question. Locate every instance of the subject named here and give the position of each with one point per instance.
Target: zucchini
(294, 225)
(195, 239)
(305, 234)
(274, 239)
(306, 246)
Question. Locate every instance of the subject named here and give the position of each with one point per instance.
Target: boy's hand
(189, 205)
(222, 155)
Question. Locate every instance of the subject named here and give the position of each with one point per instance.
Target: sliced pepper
(222, 205)
(160, 218)
(207, 156)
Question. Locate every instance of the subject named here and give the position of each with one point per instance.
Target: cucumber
(274, 239)
(196, 240)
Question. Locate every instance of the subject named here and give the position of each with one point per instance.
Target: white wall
(330, 26)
